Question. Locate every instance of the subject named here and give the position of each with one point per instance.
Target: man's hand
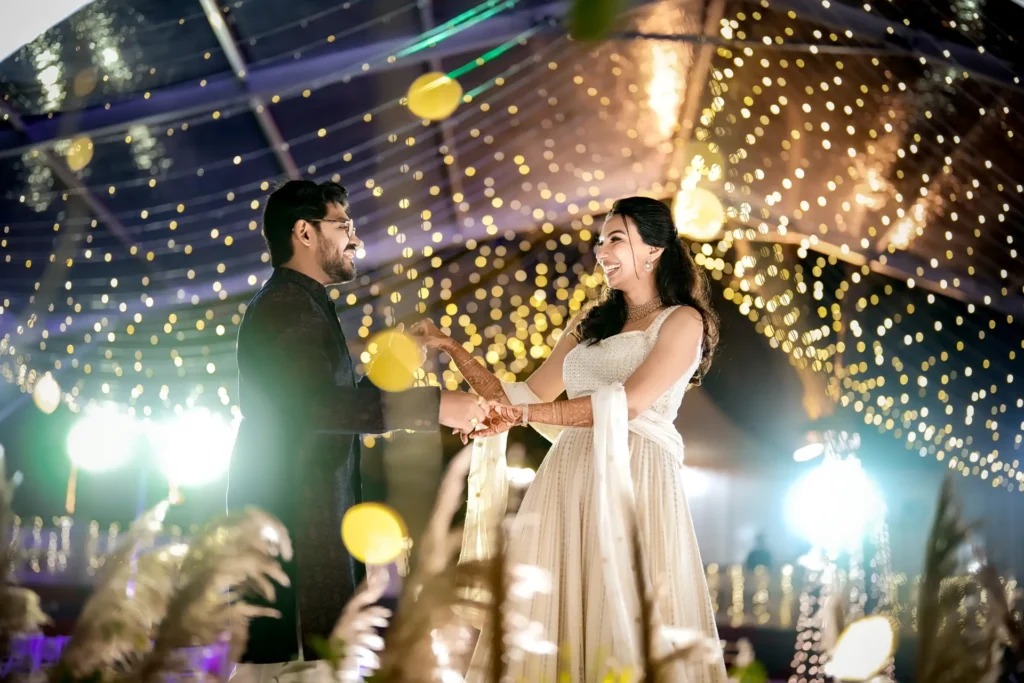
(500, 419)
(463, 412)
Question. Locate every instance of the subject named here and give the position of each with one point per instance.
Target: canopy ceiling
(868, 163)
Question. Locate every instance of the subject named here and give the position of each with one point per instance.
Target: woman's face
(622, 254)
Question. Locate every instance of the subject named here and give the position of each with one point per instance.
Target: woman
(625, 365)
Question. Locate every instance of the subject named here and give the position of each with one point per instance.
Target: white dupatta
(613, 493)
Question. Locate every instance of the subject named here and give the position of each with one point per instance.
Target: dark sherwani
(297, 452)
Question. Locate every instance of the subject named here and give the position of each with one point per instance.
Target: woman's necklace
(641, 311)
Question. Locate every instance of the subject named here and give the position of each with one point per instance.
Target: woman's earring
(649, 266)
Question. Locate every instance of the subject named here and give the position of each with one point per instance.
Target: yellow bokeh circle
(79, 154)
(394, 359)
(698, 214)
(434, 96)
(373, 533)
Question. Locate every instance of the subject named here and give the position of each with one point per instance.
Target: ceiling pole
(215, 16)
(714, 10)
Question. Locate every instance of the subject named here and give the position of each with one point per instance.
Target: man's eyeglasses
(348, 225)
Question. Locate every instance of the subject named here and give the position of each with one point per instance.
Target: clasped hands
(469, 416)
(474, 417)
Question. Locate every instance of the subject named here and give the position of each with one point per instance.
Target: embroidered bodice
(614, 359)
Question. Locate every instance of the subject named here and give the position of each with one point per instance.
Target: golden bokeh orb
(373, 533)
(434, 96)
(79, 154)
(698, 214)
(394, 359)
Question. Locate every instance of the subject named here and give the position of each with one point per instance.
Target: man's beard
(336, 267)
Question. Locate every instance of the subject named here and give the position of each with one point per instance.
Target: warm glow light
(434, 96)
(862, 650)
(665, 89)
(702, 161)
(373, 533)
(79, 154)
(46, 394)
(698, 214)
(394, 359)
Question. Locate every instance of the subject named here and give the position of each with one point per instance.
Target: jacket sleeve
(297, 335)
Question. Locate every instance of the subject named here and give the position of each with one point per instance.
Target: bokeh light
(79, 154)
(835, 506)
(698, 214)
(373, 533)
(434, 96)
(46, 394)
(862, 650)
(394, 359)
(102, 439)
(194, 448)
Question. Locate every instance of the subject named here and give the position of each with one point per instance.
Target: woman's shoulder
(683, 315)
(678, 320)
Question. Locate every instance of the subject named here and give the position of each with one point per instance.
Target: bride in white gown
(625, 365)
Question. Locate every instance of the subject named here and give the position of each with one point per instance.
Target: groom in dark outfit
(297, 452)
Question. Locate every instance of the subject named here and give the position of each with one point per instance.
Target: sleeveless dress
(562, 526)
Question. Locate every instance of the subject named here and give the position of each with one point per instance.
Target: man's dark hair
(291, 202)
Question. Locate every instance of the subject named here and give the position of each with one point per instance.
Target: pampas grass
(148, 606)
(113, 632)
(151, 605)
(20, 612)
(959, 641)
(233, 558)
(426, 629)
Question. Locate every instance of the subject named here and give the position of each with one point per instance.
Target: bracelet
(526, 414)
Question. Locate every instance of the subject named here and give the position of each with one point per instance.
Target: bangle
(526, 414)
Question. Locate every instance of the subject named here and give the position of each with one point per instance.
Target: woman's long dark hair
(680, 280)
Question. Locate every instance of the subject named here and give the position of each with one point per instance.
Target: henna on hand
(501, 419)
(479, 378)
(576, 412)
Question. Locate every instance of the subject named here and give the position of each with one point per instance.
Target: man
(759, 555)
(297, 452)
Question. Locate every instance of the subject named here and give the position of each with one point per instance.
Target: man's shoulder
(277, 300)
(280, 293)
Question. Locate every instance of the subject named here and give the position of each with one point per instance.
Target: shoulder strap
(653, 328)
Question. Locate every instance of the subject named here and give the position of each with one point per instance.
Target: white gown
(564, 526)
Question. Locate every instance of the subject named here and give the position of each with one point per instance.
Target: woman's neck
(640, 296)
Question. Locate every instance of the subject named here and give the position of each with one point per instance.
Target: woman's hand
(500, 419)
(427, 334)
(478, 427)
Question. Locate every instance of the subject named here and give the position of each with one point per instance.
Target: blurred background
(849, 174)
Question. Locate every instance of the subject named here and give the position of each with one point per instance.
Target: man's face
(337, 245)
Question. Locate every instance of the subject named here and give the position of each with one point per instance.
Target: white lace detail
(614, 359)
